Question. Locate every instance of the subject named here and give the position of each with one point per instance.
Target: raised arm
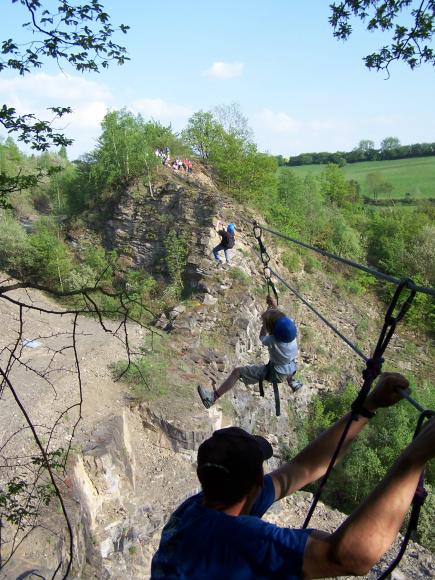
(312, 462)
(367, 534)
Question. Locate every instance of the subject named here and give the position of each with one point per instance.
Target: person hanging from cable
(219, 533)
(226, 244)
(278, 333)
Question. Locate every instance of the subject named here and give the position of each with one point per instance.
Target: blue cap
(284, 329)
(231, 228)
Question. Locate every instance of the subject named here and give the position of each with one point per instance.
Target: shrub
(15, 248)
(373, 452)
(176, 246)
(238, 275)
(52, 260)
(145, 376)
(291, 261)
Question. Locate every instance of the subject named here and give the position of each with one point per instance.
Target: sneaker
(296, 385)
(207, 397)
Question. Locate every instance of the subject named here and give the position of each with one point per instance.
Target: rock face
(141, 223)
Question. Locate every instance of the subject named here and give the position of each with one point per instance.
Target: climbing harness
(271, 377)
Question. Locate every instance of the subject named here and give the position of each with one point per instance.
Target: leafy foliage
(241, 169)
(373, 453)
(411, 23)
(80, 35)
(176, 246)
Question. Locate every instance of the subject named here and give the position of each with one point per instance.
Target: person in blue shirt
(218, 534)
(278, 333)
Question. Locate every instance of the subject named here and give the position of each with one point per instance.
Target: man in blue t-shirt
(218, 534)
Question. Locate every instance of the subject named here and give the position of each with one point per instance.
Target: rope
(417, 503)
(322, 318)
(372, 370)
(367, 269)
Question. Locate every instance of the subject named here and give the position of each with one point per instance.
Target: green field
(415, 176)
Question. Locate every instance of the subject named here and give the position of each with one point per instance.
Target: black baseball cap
(230, 462)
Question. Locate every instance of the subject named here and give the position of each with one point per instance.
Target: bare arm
(312, 462)
(366, 535)
(270, 304)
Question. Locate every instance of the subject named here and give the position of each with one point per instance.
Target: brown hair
(270, 317)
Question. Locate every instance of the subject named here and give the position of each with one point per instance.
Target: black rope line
(367, 269)
(395, 312)
(417, 503)
(349, 343)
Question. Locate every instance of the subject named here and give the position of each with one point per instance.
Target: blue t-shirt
(201, 543)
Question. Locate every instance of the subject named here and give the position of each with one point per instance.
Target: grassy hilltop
(415, 175)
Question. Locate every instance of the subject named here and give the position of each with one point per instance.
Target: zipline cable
(322, 318)
(367, 269)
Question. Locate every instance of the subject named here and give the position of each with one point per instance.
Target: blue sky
(301, 89)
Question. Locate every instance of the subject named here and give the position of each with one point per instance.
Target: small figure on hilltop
(227, 242)
(278, 333)
(219, 533)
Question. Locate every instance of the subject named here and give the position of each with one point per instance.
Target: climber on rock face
(219, 533)
(227, 242)
(278, 333)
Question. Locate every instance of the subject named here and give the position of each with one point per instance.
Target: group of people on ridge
(219, 534)
(177, 164)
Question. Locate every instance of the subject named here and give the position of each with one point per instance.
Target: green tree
(390, 143)
(204, 134)
(365, 145)
(80, 35)
(125, 149)
(233, 121)
(411, 23)
(377, 185)
(335, 186)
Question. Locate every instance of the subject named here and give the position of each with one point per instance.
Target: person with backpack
(227, 242)
(278, 332)
(218, 533)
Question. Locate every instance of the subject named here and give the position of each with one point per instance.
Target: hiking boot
(296, 385)
(207, 397)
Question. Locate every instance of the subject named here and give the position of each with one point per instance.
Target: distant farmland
(415, 176)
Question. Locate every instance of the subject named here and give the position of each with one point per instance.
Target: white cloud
(54, 88)
(88, 115)
(277, 122)
(89, 101)
(225, 70)
(160, 109)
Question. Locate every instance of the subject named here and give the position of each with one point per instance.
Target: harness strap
(277, 401)
(270, 376)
